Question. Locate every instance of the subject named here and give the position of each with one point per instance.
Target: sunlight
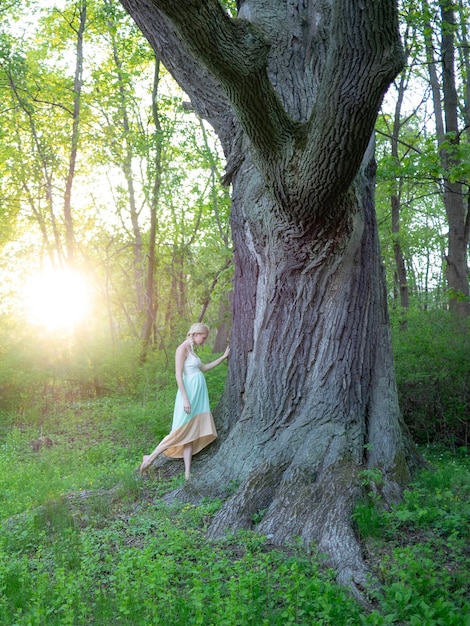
(56, 299)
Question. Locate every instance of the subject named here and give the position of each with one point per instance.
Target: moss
(406, 467)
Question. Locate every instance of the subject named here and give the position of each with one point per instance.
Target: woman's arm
(180, 357)
(209, 366)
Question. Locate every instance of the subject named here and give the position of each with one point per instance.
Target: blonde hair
(203, 329)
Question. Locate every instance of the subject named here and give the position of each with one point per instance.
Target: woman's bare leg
(149, 459)
(187, 456)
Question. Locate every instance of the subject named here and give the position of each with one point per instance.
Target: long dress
(197, 426)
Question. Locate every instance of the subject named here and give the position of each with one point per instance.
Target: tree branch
(364, 56)
(235, 52)
(206, 94)
(308, 164)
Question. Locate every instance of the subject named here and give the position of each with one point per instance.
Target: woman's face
(199, 338)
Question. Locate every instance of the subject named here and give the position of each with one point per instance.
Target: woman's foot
(145, 464)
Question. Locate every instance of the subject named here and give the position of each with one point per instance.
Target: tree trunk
(457, 212)
(127, 169)
(150, 295)
(77, 91)
(395, 201)
(54, 248)
(310, 403)
(222, 338)
(318, 404)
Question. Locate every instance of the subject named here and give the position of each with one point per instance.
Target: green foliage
(368, 520)
(441, 500)
(116, 557)
(423, 546)
(112, 552)
(156, 568)
(420, 153)
(433, 375)
(39, 370)
(129, 166)
(371, 477)
(412, 178)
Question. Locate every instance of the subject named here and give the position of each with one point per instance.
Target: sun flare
(56, 299)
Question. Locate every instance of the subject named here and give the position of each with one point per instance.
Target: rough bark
(293, 90)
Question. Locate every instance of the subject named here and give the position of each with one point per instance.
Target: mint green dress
(196, 427)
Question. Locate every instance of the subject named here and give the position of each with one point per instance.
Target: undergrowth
(421, 548)
(86, 541)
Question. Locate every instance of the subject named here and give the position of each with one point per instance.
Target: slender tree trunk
(107, 294)
(464, 60)
(77, 90)
(127, 157)
(448, 141)
(401, 274)
(55, 250)
(457, 268)
(223, 327)
(211, 289)
(150, 300)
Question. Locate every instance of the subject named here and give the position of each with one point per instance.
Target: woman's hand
(209, 366)
(187, 407)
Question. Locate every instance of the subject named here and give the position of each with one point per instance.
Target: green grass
(120, 556)
(422, 547)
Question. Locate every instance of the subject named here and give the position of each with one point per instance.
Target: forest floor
(85, 540)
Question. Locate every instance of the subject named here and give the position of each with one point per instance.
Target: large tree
(310, 409)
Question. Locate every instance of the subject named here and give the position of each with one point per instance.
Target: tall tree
(150, 299)
(406, 162)
(446, 110)
(81, 8)
(292, 90)
(127, 130)
(401, 287)
(159, 190)
(42, 100)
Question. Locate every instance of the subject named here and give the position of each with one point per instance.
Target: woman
(193, 426)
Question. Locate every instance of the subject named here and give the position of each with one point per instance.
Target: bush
(432, 361)
(41, 374)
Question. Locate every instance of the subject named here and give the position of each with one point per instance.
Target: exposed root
(250, 499)
(287, 506)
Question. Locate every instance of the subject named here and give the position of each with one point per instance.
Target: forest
(120, 226)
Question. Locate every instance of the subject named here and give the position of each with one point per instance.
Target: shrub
(432, 361)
